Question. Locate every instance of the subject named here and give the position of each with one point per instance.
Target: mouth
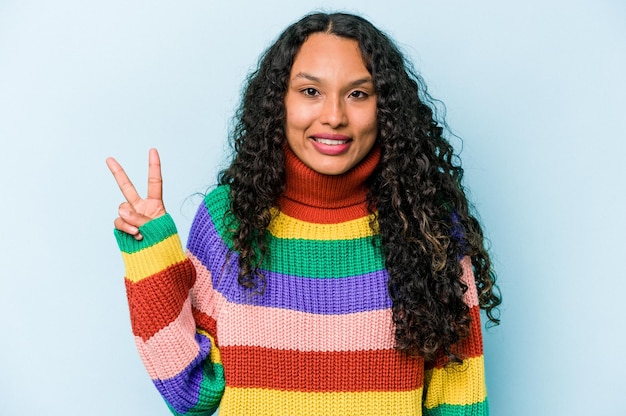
(331, 139)
(330, 142)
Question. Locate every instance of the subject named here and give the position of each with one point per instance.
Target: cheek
(369, 124)
(296, 118)
(374, 125)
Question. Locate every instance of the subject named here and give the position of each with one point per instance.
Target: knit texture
(319, 341)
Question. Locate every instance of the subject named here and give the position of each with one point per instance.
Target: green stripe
(153, 232)
(300, 257)
(211, 392)
(476, 409)
(297, 257)
(218, 204)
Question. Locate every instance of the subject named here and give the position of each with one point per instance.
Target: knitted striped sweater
(319, 341)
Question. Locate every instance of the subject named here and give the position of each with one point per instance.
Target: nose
(334, 112)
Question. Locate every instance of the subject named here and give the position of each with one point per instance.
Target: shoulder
(213, 218)
(215, 208)
(215, 205)
(217, 201)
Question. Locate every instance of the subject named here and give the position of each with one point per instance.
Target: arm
(460, 390)
(179, 354)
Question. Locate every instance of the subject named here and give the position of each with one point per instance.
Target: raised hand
(137, 211)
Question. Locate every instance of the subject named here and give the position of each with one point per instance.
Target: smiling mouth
(330, 142)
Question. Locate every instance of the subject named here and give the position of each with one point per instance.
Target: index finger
(155, 181)
(126, 186)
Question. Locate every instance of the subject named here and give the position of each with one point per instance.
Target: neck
(314, 197)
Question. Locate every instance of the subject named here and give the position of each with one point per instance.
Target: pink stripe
(246, 325)
(172, 348)
(204, 297)
(471, 296)
(260, 326)
(241, 325)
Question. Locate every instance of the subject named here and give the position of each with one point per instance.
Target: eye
(358, 94)
(310, 92)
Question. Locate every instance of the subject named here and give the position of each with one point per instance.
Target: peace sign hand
(137, 211)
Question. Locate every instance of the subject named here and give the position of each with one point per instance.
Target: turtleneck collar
(314, 197)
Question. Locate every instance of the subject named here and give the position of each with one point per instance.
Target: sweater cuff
(153, 232)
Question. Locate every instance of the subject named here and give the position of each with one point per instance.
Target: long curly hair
(416, 195)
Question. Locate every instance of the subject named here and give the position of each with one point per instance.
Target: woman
(336, 270)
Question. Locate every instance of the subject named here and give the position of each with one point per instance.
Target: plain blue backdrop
(535, 88)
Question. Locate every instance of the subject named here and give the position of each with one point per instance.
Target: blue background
(535, 88)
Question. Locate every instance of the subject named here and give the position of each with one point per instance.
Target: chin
(332, 171)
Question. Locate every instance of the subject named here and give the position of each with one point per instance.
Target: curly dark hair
(416, 195)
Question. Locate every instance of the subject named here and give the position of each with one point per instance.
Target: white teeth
(330, 142)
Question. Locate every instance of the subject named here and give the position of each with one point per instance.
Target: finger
(123, 226)
(132, 217)
(155, 181)
(126, 186)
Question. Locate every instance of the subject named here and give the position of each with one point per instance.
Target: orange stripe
(315, 371)
(156, 301)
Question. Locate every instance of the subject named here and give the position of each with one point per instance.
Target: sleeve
(178, 353)
(460, 390)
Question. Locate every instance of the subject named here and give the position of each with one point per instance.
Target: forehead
(322, 51)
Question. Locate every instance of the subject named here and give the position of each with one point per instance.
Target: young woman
(336, 269)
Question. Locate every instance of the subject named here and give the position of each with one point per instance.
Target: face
(330, 104)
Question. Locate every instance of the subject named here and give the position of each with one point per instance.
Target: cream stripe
(284, 226)
(471, 296)
(246, 325)
(153, 259)
(171, 349)
(265, 402)
(456, 385)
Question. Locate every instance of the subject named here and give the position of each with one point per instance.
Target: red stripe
(156, 301)
(469, 347)
(206, 323)
(315, 371)
(322, 215)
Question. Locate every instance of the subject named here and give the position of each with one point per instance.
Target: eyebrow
(319, 80)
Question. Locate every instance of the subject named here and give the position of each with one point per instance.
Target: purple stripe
(359, 293)
(182, 391)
